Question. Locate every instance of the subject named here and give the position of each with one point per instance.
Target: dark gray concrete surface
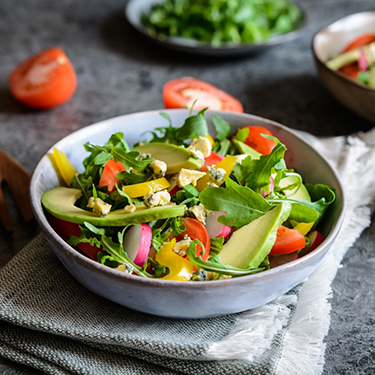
(118, 73)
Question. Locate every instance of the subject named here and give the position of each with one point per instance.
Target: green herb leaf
(222, 127)
(241, 204)
(194, 126)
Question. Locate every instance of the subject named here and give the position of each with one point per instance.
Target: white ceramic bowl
(187, 299)
(327, 43)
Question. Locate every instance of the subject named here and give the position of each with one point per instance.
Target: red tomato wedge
(213, 159)
(108, 177)
(44, 80)
(361, 41)
(287, 241)
(351, 70)
(183, 92)
(257, 141)
(67, 229)
(196, 230)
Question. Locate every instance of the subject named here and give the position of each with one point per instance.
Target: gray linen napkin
(50, 322)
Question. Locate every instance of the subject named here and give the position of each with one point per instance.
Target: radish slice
(263, 192)
(362, 62)
(137, 243)
(316, 238)
(216, 229)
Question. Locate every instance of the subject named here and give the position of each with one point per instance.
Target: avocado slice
(174, 156)
(243, 148)
(299, 194)
(60, 203)
(250, 244)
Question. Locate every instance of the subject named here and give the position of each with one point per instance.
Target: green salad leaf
(221, 21)
(241, 204)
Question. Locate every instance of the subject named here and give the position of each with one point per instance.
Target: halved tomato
(287, 241)
(196, 230)
(108, 177)
(44, 80)
(183, 92)
(361, 41)
(67, 229)
(351, 70)
(257, 141)
(213, 159)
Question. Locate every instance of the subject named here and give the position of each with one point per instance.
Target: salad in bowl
(186, 206)
(192, 215)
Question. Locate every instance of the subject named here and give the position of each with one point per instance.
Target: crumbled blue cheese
(143, 156)
(160, 198)
(181, 246)
(129, 208)
(199, 275)
(159, 168)
(216, 175)
(99, 207)
(201, 144)
(189, 176)
(200, 213)
(126, 268)
(241, 157)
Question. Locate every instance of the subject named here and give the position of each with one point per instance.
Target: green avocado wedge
(174, 156)
(60, 203)
(250, 244)
(243, 148)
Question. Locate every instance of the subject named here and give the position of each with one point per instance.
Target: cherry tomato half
(67, 229)
(351, 70)
(257, 141)
(183, 92)
(361, 41)
(213, 159)
(287, 241)
(108, 177)
(44, 80)
(196, 230)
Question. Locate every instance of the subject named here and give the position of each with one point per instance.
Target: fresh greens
(222, 21)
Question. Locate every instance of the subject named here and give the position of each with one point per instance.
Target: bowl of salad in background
(172, 297)
(216, 28)
(344, 54)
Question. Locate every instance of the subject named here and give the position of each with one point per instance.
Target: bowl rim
(338, 74)
(119, 276)
(194, 46)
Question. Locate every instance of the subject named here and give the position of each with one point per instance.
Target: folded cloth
(52, 323)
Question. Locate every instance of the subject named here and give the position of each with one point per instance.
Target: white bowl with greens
(248, 287)
(217, 29)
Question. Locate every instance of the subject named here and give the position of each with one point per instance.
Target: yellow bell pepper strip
(227, 164)
(56, 168)
(303, 228)
(180, 269)
(210, 139)
(140, 190)
(65, 167)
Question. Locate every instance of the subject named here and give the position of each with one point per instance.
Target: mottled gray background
(118, 73)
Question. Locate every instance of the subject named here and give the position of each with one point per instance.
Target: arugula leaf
(159, 269)
(222, 127)
(115, 251)
(241, 204)
(131, 178)
(194, 126)
(214, 264)
(217, 244)
(256, 173)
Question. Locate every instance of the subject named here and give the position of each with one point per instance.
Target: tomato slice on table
(108, 177)
(196, 230)
(183, 92)
(287, 241)
(44, 80)
(257, 141)
(361, 41)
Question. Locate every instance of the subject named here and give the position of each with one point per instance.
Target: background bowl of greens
(328, 43)
(177, 298)
(216, 28)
